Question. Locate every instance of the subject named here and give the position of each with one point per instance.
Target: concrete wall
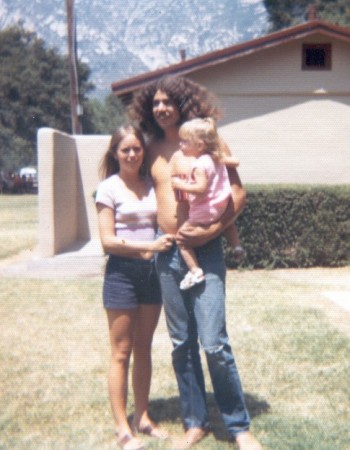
(90, 150)
(68, 176)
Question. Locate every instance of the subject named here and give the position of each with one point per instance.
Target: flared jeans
(197, 317)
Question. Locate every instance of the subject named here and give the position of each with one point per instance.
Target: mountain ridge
(118, 40)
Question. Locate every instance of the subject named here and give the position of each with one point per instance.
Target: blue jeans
(198, 316)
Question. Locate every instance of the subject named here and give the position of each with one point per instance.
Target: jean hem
(206, 427)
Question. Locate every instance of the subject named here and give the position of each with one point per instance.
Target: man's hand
(196, 236)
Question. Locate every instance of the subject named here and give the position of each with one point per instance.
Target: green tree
(336, 11)
(286, 13)
(34, 93)
(108, 114)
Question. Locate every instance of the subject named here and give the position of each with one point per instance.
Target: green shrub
(294, 227)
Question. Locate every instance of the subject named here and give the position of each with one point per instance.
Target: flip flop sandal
(154, 432)
(126, 443)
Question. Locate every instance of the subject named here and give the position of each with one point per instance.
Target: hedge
(294, 227)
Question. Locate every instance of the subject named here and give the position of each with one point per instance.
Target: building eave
(127, 86)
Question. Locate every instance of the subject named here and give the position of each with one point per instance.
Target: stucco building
(286, 102)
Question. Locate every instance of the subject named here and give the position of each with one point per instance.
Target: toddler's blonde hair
(203, 130)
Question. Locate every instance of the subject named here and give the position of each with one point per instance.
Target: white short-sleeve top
(134, 218)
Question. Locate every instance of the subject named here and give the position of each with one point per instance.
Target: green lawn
(292, 356)
(18, 223)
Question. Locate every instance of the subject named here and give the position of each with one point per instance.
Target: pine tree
(336, 11)
(286, 13)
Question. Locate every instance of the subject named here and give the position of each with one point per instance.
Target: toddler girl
(207, 187)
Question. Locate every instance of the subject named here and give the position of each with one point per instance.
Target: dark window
(316, 57)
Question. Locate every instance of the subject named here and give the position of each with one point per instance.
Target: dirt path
(66, 265)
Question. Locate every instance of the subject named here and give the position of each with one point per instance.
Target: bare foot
(246, 441)
(191, 438)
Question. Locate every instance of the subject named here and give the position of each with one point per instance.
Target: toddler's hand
(175, 182)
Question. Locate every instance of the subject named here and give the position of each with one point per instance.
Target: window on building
(316, 57)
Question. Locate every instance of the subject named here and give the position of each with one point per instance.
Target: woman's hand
(163, 243)
(146, 255)
(115, 245)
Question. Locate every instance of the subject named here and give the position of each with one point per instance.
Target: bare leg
(189, 257)
(121, 330)
(147, 320)
(195, 274)
(231, 234)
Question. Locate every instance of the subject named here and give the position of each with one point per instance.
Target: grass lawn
(293, 360)
(18, 223)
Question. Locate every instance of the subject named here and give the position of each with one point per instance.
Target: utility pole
(76, 108)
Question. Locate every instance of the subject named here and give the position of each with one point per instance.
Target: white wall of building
(286, 125)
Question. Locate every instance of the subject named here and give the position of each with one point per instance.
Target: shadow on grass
(168, 410)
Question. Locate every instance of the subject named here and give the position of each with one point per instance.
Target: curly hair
(191, 99)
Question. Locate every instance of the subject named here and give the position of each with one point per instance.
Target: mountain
(122, 38)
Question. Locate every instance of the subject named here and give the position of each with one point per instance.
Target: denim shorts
(130, 282)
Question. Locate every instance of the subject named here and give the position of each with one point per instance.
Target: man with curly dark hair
(191, 99)
(196, 315)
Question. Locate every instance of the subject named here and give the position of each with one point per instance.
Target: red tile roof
(127, 86)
